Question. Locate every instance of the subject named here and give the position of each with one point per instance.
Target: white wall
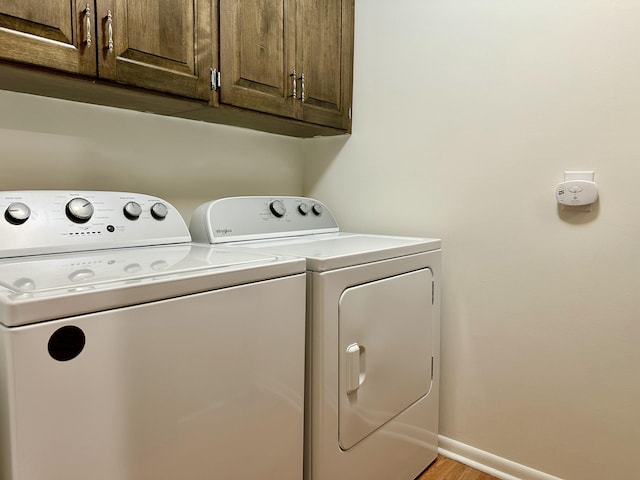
(55, 144)
(466, 115)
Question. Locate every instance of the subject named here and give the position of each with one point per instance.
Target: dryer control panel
(52, 221)
(235, 219)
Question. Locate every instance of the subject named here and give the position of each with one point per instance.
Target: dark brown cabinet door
(58, 34)
(160, 45)
(288, 57)
(326, 50)
(257, 55)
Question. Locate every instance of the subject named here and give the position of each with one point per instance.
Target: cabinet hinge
(349, 113)
(215, 79)
(432, 361)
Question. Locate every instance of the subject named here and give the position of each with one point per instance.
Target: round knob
(316, 209)
(81, 275)
(159, 211)
(79, 210)
(277, 208)
(25, 284)
(133, 268)
(159, 265)
(303, 209)
(132, 210)
(17, 213)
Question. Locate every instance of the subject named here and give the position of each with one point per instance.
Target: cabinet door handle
(302, 95)
(109, 31)
(294, 86)
(87, 25)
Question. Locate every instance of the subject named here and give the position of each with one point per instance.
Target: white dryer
(127, 353)
(373, 327)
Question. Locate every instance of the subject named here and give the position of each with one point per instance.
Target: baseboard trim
(487, 462)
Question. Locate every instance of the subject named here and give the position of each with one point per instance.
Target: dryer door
(385, 335)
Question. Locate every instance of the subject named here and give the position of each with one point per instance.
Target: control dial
(81, 275)
(160, 265)
(17, 213)
(79, 210)
(132, 210)
(317, 209)
(277, 208)
(303, 209)
(159, 211)
(25, 284)
(133, 268)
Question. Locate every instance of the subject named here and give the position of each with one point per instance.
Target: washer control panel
(235, 219)
(54, 221)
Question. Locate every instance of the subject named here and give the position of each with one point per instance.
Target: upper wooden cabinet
(288, 57)
(285, 65)
(163, 45)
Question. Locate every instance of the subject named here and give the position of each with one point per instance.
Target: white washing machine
(159, 361)
(373, 329)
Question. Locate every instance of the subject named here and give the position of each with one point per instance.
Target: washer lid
(44, 287)
(330, 251)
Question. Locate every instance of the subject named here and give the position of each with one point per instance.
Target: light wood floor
(446, 469)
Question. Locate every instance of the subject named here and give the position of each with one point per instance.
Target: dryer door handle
(355, 367)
